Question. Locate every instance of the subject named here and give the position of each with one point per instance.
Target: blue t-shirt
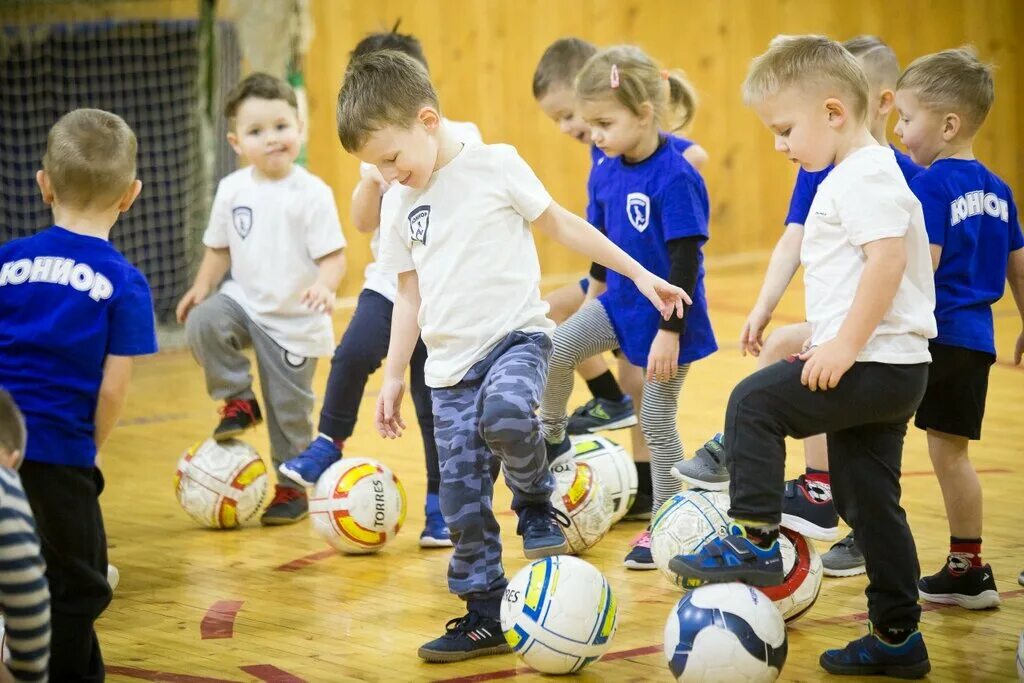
(969, 212)
(807, 186)
(641, 207)
(66, 302)
(678, 143)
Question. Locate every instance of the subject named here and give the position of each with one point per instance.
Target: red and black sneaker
(289, 505)
(237, 415)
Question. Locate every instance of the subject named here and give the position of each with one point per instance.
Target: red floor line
(296, 565)
(271, 674)
(654, 649)
(219, 620)
(166, 677)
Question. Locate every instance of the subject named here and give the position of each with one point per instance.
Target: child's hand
(372, 174)
(388, 420)
(668, 299)
(752, 336)
(192, 298)
(826, 364)
(663, 360)
(318, 298)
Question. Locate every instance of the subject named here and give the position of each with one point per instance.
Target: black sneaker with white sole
(970, 588)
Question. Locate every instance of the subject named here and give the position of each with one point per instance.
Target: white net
(148, 71)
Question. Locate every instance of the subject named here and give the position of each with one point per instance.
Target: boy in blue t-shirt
(73, 313)
(976, 244)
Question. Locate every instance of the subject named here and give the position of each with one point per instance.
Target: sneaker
(871, 656)
(559, 453)
(640, 510)
(540, 526)
(470, 636)
(639, 556)
(435, 532)
(113, 577)
(706, 469)
(971, 588)
(807, 509)
(602, 414)
(306, 467)
(730, 558)
(288, 506)
(236, 416)
(843, 558)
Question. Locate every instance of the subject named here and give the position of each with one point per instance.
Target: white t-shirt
(275, 231)
(386, 284)
(467, 235)
(865, 198)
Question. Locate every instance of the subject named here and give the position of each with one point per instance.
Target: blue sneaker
(540, 526)
(435, 532)
(306, 467)
(639, 556)
(470, 636)
(732, 558)
(870, 656)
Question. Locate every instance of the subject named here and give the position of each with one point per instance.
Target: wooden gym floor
(276, 604)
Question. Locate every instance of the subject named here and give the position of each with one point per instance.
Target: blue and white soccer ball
(725, 632)
(558, 614)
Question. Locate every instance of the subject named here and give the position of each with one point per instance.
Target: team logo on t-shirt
(419, 222)
(241, 216)
(638, 208)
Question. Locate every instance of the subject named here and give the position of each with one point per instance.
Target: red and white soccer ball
(221, 484)
(358, 505)
(803, 570)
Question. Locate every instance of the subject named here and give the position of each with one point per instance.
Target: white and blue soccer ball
(614, 467)
(558, 614)
(684, 523)
(725, 632)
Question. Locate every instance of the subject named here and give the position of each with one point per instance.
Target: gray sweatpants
(487, 420)
(217, 330)
(586, 333)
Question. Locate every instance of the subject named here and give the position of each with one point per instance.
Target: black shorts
(954, 402)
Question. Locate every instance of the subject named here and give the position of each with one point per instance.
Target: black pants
(363, 348)
(65, 502)
(865, 418)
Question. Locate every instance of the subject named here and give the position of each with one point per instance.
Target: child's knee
(503, 419)
(201, 322)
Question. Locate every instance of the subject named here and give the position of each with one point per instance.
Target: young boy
(976, 244)
(807, 506)
(468, 275)
(24, 594)
(73, 313)
(275, 226)
(870, 298)
(365, 342)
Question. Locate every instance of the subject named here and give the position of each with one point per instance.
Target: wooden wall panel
(482, 54)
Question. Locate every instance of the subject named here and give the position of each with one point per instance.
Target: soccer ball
(802, 564)
(358, 505)
(684, 523)
(558, 614)
(615, 470)
(725, 632)
(221, 484)
(579, 494)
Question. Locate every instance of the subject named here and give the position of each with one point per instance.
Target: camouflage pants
(487, 420)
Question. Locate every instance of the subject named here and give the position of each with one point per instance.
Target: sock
(819, 485)
(643, 478)
(820, 476)
(760, 534)
(433, 503)
(485, 608)
(893, 636)
(339, 443)
(963, 554)
(604, 386)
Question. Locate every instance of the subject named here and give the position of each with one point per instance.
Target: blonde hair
(952, 80)
(381, 89)
(632, 78)
(90, 158)
(879, 62)
(808, 62)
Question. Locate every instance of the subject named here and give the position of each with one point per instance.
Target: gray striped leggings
(587, 333)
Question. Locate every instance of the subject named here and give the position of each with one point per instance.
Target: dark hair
(258, 85)
(560, 63)
(12, 425)
(382, 88)
(391, 40)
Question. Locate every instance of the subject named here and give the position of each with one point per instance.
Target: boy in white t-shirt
(365, 342)
(275, 226)
(870, 299)
(468, 277)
